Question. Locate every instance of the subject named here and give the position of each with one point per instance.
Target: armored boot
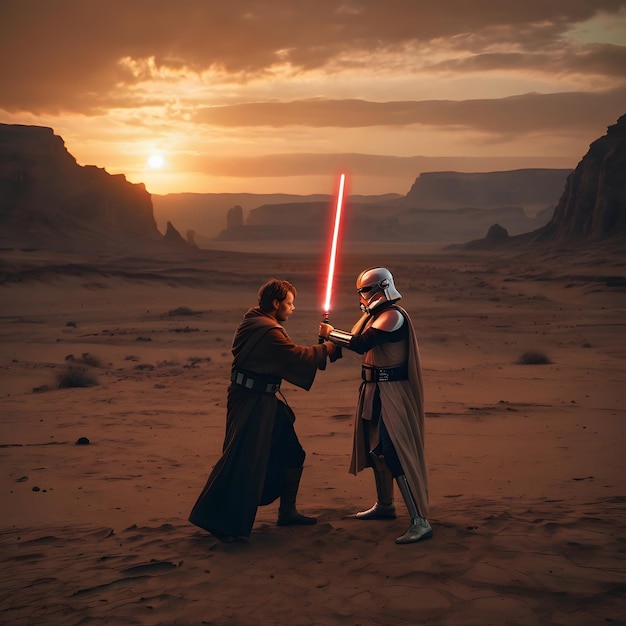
(287, 512)
(384, 507)
(420, 528)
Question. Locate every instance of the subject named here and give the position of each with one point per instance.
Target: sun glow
(156, 161)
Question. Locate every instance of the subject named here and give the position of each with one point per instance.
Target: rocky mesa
(47, 200)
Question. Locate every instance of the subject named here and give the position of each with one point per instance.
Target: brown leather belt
(255, 382)
(384, 374)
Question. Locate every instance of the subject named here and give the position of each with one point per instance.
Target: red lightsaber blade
(333, 249)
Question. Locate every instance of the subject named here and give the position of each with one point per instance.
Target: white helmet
(376, 286)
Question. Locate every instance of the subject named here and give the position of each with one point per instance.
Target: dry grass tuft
(533, 357)
(75, 376)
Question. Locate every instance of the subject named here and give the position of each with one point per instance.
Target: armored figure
(389, 420)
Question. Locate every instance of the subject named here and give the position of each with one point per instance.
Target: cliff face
(592, 208)
(593, 205)
(533, 189)
(48, 200)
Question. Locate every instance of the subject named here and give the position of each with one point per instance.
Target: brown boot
(287, 512)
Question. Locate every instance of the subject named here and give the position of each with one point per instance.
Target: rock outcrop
(234, 217)
(173, 237)
(496, 236)
(592, 208)
(593, 205)
(47, 200)
(191, 238)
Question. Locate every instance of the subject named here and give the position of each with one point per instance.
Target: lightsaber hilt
(337, 354)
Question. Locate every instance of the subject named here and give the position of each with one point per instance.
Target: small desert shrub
(182, 310)
(533, 357)
(75, 376)
(195, 360)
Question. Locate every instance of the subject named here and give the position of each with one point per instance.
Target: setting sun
(156, 161)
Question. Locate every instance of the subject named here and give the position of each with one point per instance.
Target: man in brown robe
(389, 421)
(261, 458)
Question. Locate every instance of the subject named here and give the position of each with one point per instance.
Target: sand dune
(526, 462)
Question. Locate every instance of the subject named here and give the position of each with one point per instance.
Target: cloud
(237, 91)
(517, 115)
(77, 55)
(606, 59)
(602, 60)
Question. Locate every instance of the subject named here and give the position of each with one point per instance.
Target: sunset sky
(270, 96)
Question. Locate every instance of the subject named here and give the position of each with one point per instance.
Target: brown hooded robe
(237, 484)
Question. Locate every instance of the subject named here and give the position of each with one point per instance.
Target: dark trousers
(385, 446)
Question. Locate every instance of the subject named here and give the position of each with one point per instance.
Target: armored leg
(420, 528)
(384, 507)
(287, 512)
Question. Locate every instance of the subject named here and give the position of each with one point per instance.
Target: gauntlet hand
(325, 330)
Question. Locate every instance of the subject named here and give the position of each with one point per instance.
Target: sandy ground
(527, 463)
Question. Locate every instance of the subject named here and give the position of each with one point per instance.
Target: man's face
(282, 310)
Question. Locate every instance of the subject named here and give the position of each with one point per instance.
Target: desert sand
(527, 462)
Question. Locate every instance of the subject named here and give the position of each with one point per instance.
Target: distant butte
(49, 201)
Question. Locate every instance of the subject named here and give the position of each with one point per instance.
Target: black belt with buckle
(384, 374)
(255, 382)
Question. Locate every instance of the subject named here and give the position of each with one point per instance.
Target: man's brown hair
(274, 289)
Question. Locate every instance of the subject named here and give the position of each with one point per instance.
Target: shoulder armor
(388, 321)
